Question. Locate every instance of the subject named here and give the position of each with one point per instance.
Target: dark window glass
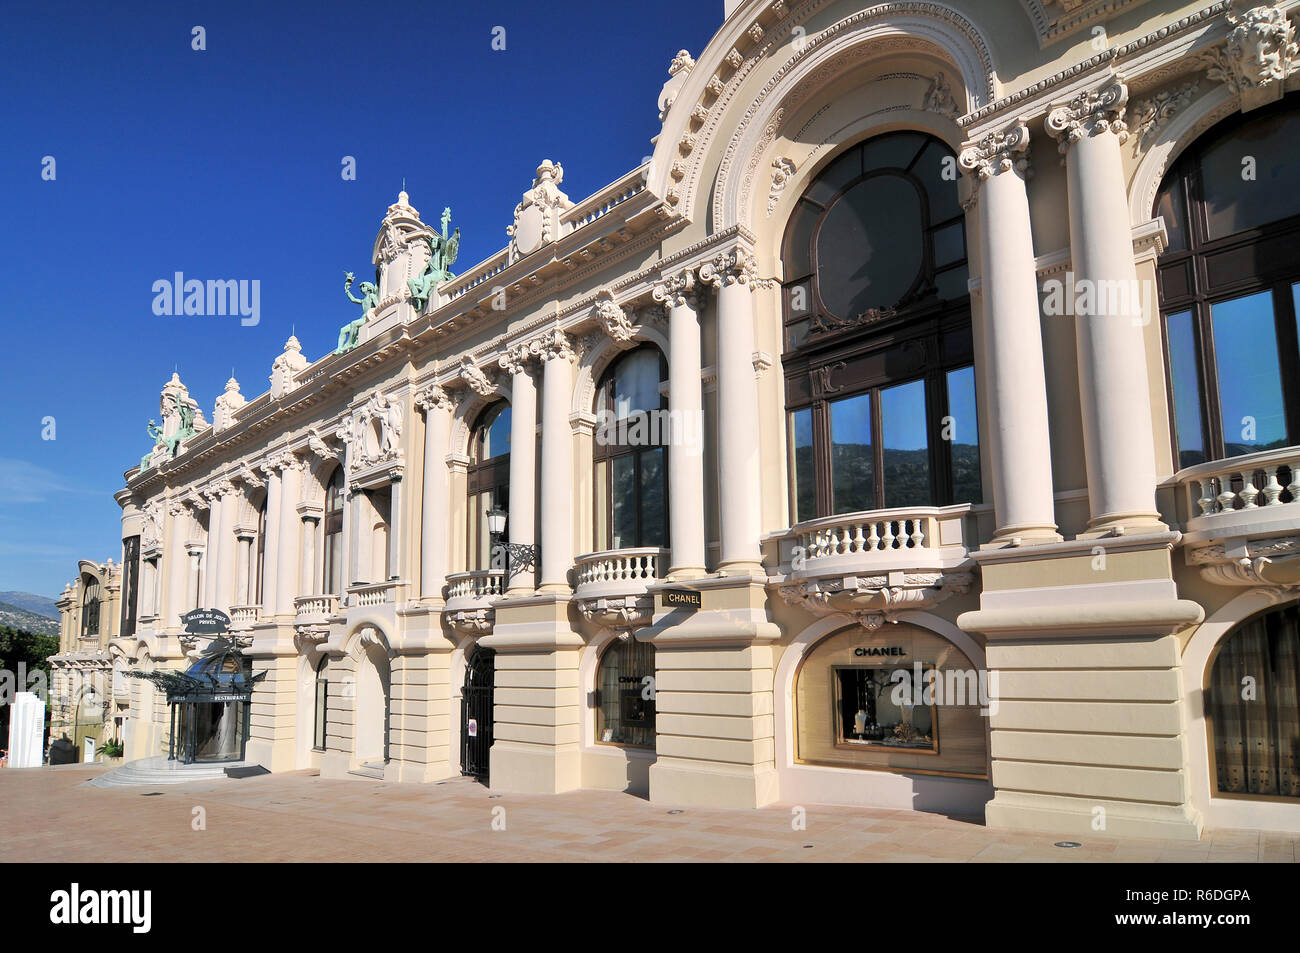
(90, 607)
(131, 584)
(1185, 378)
(852, 478)
(322, 704)
(1252, 177)
(962, 434)
(868, 714)
(1256, 739)
(835, 177)
(896, 151)
(625, 694)
(632, 434)
(1250, 380)
(798, 256)
(332, 524)
(949, 244)
(1172, 207)
(869, 249)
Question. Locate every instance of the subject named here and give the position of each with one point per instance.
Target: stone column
(739, 477)
(225, 562)
(557, 462)
(523, 453)
(176, 565)
(686, 411)
(288, 566)
(434, 510)
(1117, 432)
(1013, 378)
(312, 581)
(244, 550)
(396, 567)
(212, 549)
(272, 548)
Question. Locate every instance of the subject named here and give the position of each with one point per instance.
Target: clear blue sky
(226, 164)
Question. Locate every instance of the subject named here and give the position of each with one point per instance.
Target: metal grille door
(476, 714)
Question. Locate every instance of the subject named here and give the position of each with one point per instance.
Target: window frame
(490, 476)
(604, 454)
(1189, 268)
(332, 522)
(598, 712)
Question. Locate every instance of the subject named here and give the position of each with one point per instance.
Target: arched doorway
(476, 713)
(373, 684)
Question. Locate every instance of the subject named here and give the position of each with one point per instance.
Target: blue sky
(225, 163)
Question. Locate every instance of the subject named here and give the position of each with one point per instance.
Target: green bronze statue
(442, 255)
(172, 443)
(350, 333)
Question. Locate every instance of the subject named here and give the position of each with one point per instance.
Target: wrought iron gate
(476, 714)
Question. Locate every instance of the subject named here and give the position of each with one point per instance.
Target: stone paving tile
(281, 817)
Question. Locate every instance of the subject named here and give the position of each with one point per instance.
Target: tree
(29, 649)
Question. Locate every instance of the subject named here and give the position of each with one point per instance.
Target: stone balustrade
(314, 610)
(373, 594)
(1255, 481)
(480, 584)
(878, 540)
(619, 570)
(244, 617)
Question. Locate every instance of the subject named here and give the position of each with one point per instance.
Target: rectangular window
(853, 481)
(654, 492)
(867, 715)
(962, 433)
(1185, 379)
(905, 445)
(623, 498)
(805, 485)
(1250, 374)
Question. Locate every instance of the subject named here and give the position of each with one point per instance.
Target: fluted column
(243, 567)
(1012, 377)
(686, 411)
(435, 510)
(739, 476)
(1117, 432)
(557, 461)
(176, 563)
(523, 452)
(287, 561)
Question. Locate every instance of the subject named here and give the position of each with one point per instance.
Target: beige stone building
(915, 429)
(92, 614)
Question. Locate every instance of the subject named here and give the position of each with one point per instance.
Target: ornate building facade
(942, 342)
(92, 613)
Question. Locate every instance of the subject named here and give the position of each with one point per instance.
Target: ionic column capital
(435, 397)
(1006, 150)
(519, 358)
(554, 345)
(1090, 113)
(678, 290)
(736, 266)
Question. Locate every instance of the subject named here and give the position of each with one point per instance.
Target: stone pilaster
(519, 361)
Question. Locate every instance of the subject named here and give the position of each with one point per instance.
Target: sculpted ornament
(1002, 151)
(872, 600)
(350, 334)
(434, 397)
(151, 526)
(938, 98)
(782, 170)
(443, 250)
(473, 375)
(1260, 51)
(537, 216)
(1090, 113)
(613, 318)
(1150, 115)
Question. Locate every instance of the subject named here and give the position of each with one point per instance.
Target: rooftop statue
(442, 255)
(349, 334)
(172, 443)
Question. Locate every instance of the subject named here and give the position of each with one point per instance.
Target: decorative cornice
(735, 266)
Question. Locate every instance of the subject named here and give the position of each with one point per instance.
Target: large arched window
(1230, 287)
(322, 703)
(90, 600)
(879, 358)
(625, 694)
(631, 452)
(1252, 709)
(332, 530)
(488, 479)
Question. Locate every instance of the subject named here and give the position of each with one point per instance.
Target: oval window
(869, 248)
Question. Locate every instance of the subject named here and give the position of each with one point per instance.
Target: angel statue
(351, 332)
(442, 254)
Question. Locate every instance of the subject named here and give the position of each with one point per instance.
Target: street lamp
(518, 557)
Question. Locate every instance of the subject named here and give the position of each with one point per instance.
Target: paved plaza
(51, 815)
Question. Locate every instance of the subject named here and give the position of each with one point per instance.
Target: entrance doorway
(476, 713)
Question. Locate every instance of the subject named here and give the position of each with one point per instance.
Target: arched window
(488, 479)
(625, 694)
(879, 357)
(1230, 287)
(259, 564)
(1252, 709)
(322, 703)
(631, 452)
(90, 606)
(332, 527)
